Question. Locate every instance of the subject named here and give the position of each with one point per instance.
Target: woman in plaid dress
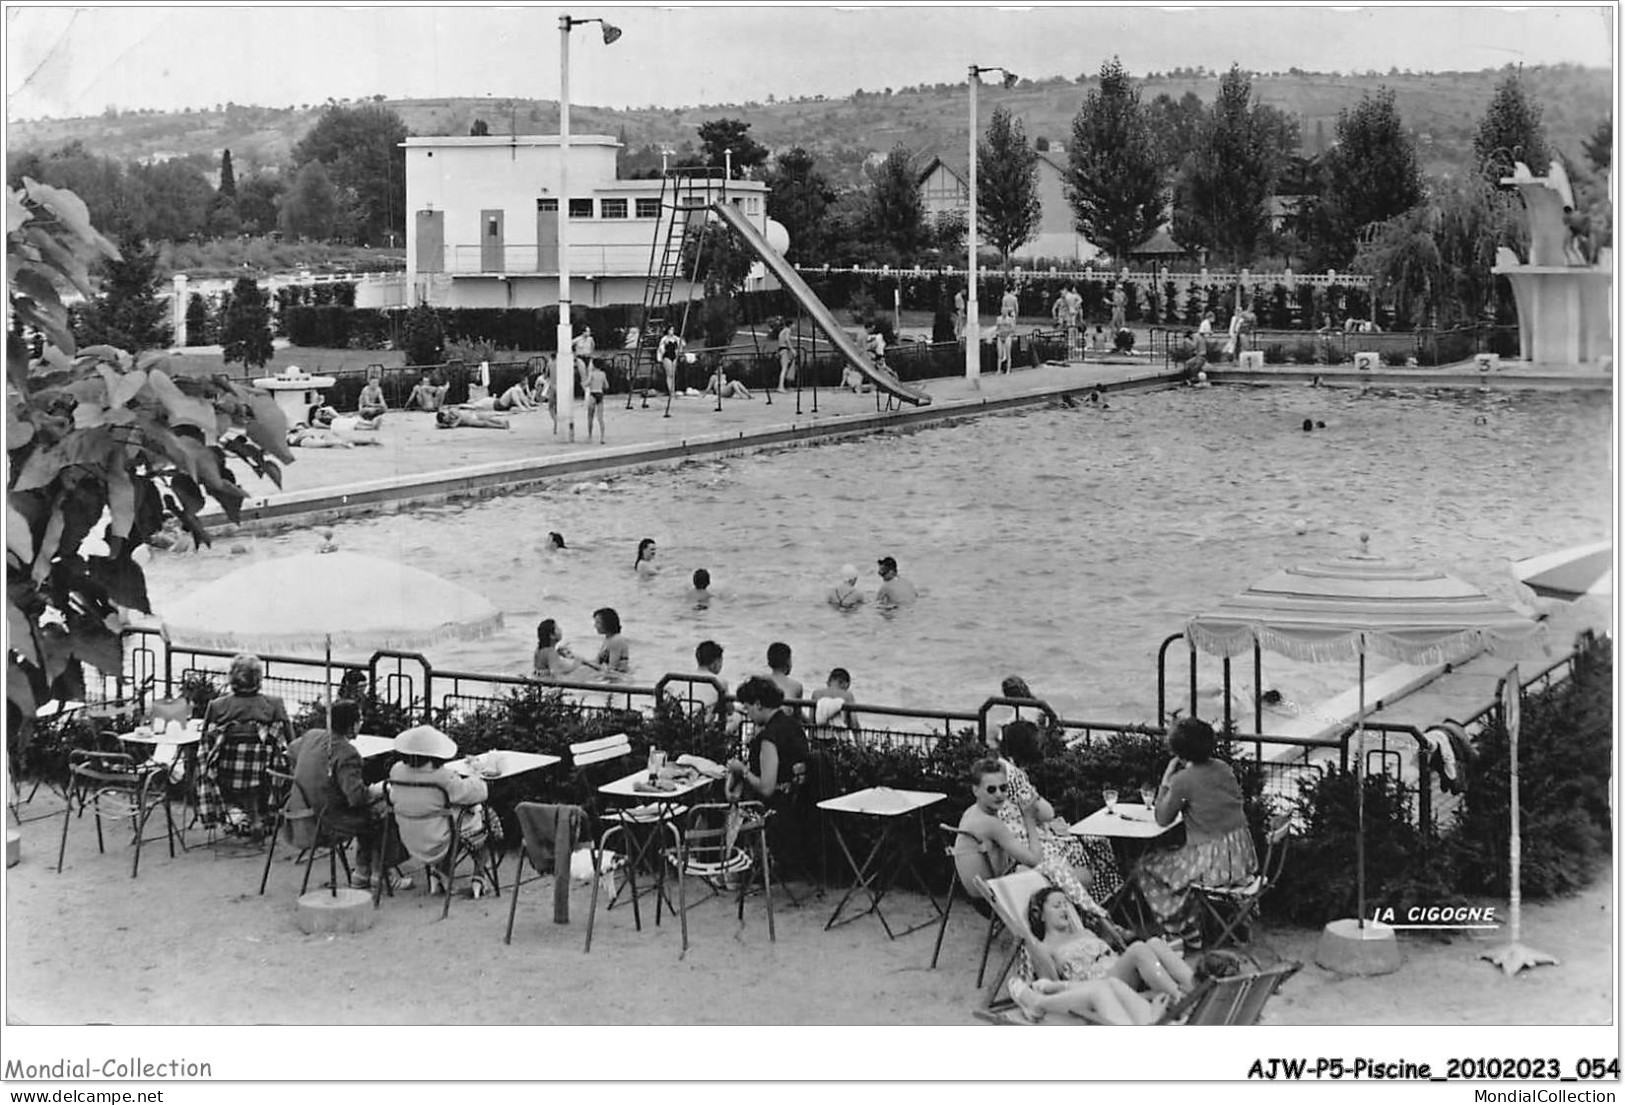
(245, 734)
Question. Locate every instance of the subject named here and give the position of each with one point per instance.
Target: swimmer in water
(555, 541)
(1308, 425)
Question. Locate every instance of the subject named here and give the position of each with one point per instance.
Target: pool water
(1059, 544)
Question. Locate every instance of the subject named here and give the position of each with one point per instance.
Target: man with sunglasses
(990, 788)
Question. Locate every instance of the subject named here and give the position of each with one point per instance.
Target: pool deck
(414, 462)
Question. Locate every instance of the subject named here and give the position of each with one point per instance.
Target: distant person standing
(584, 347)
(894, 589)
(959, 315)
(671, 348)
(597, 385)
(1119, 308)
(1006, 336)
(787, 354)
(1010, 304)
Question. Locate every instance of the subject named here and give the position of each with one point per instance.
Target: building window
(752, 205)
(612, 209)
(581, 209)
(493, 227)
(547, 206)
(648, 209)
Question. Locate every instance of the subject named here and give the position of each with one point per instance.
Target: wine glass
(1148, 795)
(1110, 798)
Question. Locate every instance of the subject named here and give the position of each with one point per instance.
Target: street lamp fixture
(973, 334)
(564, 365)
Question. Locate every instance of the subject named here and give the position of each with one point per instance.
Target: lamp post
(564, 383)
(973, 333)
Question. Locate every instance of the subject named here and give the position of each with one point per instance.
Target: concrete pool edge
(393, 493)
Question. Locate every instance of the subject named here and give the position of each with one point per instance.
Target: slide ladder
(683, 192)
(855, 356)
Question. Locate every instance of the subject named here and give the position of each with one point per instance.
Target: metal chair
(970, 862)
(307, 834)
(535, 818)
(597, 762)
(1230, 912)
(724, 843)
(427, 801)
(113, 785)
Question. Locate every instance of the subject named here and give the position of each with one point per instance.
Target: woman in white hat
(422, 754)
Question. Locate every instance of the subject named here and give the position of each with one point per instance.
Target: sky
(68, 61)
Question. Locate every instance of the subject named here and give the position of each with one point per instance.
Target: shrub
(1395, 358)
(424, 336)
(1275, 353)
(1305, 352)
(1318, 883)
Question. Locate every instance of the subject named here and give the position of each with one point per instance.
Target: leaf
(18, 432)
(39, 470)
(183, 409)
(72, 213)
(56, 650)
(66, 263)
(123, 581)
(266, 425)
(19, 535)
(21, 634)
(121, 386)
(95, 644)
(88, 415)
(17, 212)
(20, 691)
(120, 503)
(48, 546)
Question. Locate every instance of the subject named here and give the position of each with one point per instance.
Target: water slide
(821, 316)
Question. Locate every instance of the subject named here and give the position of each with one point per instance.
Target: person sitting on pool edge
(372, 404)
(427, 394)
(774, 752)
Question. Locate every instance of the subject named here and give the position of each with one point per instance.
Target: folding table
(893, 808)
(633, 790)
(1131, 829)
(185, 739)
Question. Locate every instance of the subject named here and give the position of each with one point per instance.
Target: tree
(228, 177)
(177, 199)
(246, 333)
(1114, 177)
(479, 130)
(720, 135)
(94, 433)
(129, 313)
(1007, 204)
(1510, 131)
(1175, 127)
(311, 208)
(361, 150)
(257, 200)
(1219, 200)
(198, 330)
(798, 197)
(895, 215)
(423, 336)
(1371, 175)
(1599, 147)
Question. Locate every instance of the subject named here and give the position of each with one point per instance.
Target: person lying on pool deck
(449, 418)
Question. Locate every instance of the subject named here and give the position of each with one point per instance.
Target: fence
(1304, 347)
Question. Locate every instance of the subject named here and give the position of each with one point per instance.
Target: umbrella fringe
(1346, 647)
(317, 642)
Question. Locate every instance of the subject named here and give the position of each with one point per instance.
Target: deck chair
(302, 824)
(970, 856)
(1231, 912)
(114, 786)
(1009, 895)
(1237, 999)
(426, 802)
(724, 845)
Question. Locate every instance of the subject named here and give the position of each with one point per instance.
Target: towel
(550, 831)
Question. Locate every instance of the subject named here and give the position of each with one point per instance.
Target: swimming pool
(1062, 545)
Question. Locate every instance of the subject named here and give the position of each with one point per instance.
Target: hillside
(1442, 109)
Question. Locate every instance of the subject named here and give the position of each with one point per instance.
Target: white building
(483, 230)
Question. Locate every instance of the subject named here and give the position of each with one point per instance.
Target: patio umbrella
(1347, 608)
(1570, 573)
(313, 601)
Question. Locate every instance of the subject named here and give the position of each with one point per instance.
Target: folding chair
(115, 786)
(1232, 911)
(303, 824)
(566, 823)
(1009, 895)
(426, 801)
(597, 762)
(711, 850)
(971, 862)
(1237, 999)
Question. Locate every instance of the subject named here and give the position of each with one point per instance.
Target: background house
(945, 186)
(483, 230)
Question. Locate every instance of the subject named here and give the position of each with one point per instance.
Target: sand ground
(191, 942)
